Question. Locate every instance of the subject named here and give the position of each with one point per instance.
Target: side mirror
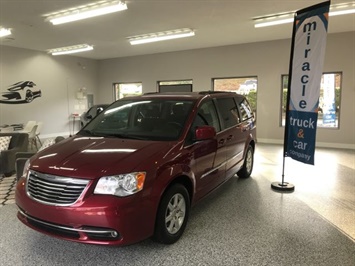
(205, 132)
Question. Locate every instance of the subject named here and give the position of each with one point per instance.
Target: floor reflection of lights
(328, 187)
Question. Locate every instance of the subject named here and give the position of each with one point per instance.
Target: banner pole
(285, 186)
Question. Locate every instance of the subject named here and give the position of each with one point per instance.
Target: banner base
(282, 186)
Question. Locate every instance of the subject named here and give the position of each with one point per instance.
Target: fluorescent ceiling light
(161, 36)
(272, 23)
(341, 12)
(4, 32)
(335, 10)
(71, 49)
(85, 11)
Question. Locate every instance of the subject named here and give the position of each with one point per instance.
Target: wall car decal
(20, 92)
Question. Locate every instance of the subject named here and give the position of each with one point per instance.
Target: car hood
(93, 157)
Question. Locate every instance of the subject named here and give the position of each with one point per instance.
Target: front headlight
(26, 167)
(121, 185)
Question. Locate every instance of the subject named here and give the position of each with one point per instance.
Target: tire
(247, 168)
(172, 216)
(29, 96)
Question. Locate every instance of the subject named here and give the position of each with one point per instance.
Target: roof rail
(214, 92)
(147, 93)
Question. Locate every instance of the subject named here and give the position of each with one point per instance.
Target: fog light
(114, 234)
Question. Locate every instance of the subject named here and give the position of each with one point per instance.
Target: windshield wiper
(89, 132)
(124, 136)
(115, 135)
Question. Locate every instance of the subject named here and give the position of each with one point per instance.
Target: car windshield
(141, 119)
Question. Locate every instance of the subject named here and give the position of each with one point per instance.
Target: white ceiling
(216, 22)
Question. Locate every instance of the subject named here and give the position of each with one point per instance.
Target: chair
(38, 132)
(18, 143)
(32, 136)
(22, 157)
(6, 129)
(28, 127)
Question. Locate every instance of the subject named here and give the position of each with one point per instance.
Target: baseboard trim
(318, 144)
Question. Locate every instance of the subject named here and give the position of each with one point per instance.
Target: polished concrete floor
(244, 222)
(328, 187)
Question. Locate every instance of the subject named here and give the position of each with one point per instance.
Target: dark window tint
(229, 111)
(142, 119)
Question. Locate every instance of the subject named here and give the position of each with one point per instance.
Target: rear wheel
(29, 96)
(247, 168)
(172, 215)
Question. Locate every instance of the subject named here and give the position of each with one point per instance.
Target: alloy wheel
(175, 213)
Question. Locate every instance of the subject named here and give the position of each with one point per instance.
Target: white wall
(266, 60)
(59, 78)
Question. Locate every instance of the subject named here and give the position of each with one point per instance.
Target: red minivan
(136, 169)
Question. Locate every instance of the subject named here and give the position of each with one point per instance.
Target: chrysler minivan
(137, 168)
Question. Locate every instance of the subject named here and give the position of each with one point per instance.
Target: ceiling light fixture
(71, 49)
(161, 36)
(274, 20)
(4, 32)
(335, 10)
(85, 11)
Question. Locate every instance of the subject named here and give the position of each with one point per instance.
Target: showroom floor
(7, 190)
(244, 222)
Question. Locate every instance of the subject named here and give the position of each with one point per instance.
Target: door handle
(221, 141)
(230, 137)
(243, 128)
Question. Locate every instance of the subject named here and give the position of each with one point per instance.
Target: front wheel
(172, 215)
(247, 168)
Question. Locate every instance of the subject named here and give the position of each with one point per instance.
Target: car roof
(101, 105)
(185, 95)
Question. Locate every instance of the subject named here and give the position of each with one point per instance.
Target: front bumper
(94, 219)
(75, 233)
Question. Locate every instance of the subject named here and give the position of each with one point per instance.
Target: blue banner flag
(307, 56)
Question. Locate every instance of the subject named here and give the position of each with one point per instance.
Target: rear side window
(245, 109)
(229, 111)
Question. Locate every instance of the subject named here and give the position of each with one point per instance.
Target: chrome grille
(54, 190)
